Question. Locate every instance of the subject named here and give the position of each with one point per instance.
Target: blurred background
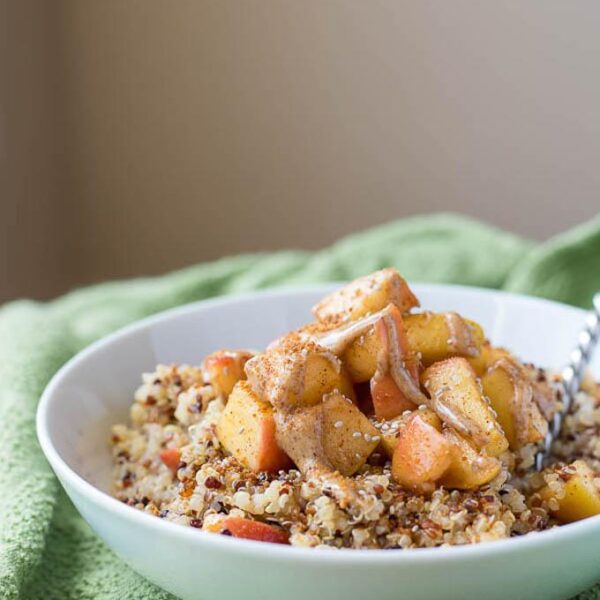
(138, 136)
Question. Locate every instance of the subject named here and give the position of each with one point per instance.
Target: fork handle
(571, 377)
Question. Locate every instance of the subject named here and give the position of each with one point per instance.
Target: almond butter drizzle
(460, 338)
(278, 376)
(525, 410)
(393, 362)
(388, 361)
(337, 340)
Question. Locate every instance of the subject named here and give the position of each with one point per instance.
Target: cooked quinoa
(168, 412)
(177, 408)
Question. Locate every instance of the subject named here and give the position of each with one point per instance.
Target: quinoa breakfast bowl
(384, 449)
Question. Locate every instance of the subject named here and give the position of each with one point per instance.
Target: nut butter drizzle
(300, 435)
(460, 338)
(278, 376)
(337, 340)
(394, 363)
(389, 361)
(523, 401)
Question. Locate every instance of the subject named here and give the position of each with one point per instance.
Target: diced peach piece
(298, 374)
(171, 457)
(391, 429)
(437, 336)
(224, 368)
(349, 438)
(366, 295)
(252, 530)
(322, 376)
(247, 430)
(500, 390)
(391, 394)
(388, 400)
(581, 494)
(469, 469)
(457, 399)
(486, 358)
(389, 438)
(421, 456)
(360, 357)
(510, 392)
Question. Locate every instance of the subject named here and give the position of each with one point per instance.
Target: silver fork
(572, 376)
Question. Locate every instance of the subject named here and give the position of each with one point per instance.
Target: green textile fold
(46, 549)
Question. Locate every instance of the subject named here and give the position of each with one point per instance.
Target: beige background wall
(140, 136)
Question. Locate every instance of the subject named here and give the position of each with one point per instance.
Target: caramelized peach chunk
(224, 368)
(457, 399)
(486, 358)
(348, 436)
(469, 469)
(383, 355)
(249, 529)
(366, 295)
(510, 392)
(360, 357)
(297, 373)
(390, 430)
(437, 336)
(171, 457)
(326, 438)
(322, 376)
(396, 379)
(247, 430)
(580, 497)
(421, 455)
(388, 400)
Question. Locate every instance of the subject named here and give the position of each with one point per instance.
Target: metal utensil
(572, 376)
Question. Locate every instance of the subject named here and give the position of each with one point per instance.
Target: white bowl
(95, 389)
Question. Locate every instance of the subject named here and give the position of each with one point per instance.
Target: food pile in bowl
(378, 425)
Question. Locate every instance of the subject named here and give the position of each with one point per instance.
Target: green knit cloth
(46, 550)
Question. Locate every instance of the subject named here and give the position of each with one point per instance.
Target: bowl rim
(277, 552)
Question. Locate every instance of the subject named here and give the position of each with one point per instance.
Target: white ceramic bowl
(95, 389)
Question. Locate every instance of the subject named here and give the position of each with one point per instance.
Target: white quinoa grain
(378, 514)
